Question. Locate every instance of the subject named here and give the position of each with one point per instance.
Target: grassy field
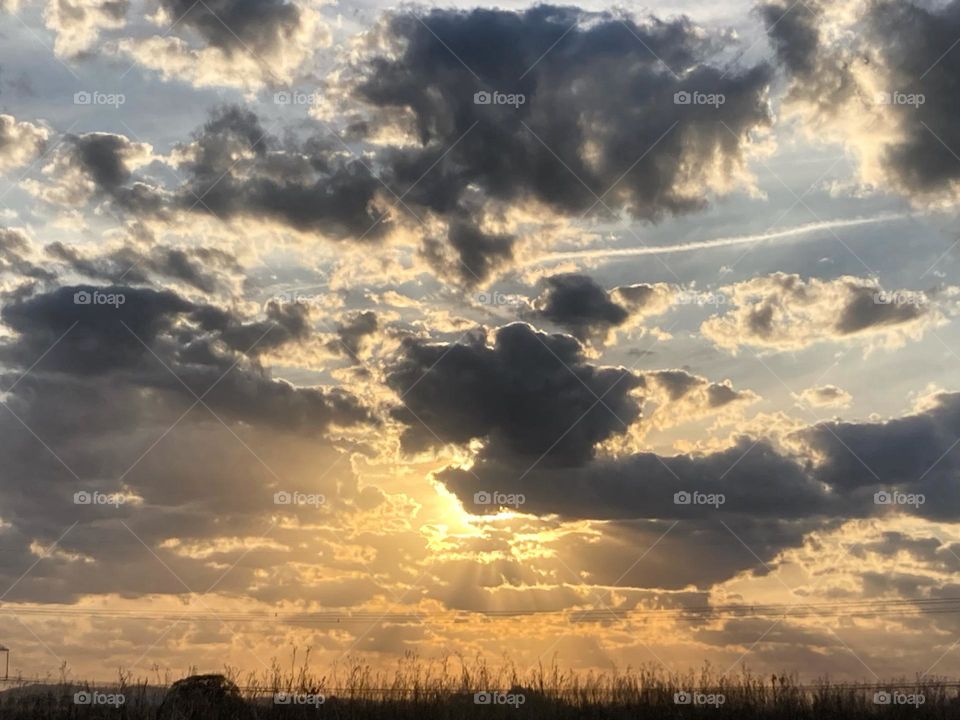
(452, 689)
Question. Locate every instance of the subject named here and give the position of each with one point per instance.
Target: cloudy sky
(619, 336)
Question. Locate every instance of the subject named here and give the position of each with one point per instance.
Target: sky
(615, 336)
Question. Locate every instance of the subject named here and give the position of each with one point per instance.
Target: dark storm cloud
(679, 384)
(771, 502)
(904, 585)
(863, 311)
(540, 405)
(541, 428)
(107, 160)
(637, 297)
(469, 254)
(97, 345)
(720, 395)
(190, 266)
(532, 394)
(820, 71)
(521, 394)
(914, 43)
(230, 131)
(892, 542)
(815, 644)
(837, 472)
(838, 469)
(915, 453)
(93, 405)
(756, 480)
(235, 168)
(908, 46)
(238, 169)
(600, 100)
(794, 34)
(597, 97)
(352, 333)
(102, 156)
(284, 323)
(478, 252)
(619, 560)
(240, 26)
(578, 304)
(199, 268)
(688, 554)
(598, 85)
(199, 343)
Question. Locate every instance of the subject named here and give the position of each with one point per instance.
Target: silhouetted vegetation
(453, 689)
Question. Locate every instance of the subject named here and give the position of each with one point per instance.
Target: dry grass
(444, 690)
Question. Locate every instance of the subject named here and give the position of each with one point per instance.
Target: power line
(691, 613)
